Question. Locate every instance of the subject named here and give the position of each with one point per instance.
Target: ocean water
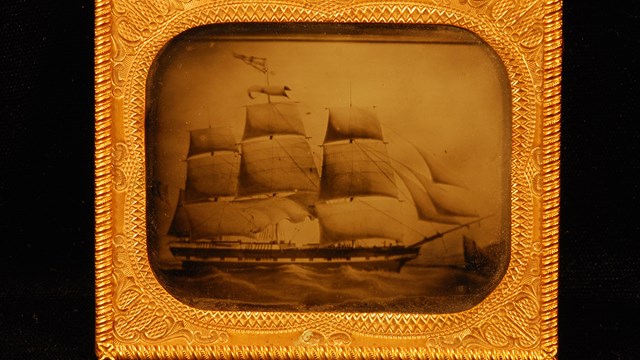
(430, 289)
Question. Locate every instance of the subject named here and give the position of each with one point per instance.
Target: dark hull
(202, 255)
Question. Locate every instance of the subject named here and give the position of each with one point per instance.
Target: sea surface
(430, 289)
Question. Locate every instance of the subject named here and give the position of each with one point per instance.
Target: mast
(277, 171)
(213, 165)
(358, 193)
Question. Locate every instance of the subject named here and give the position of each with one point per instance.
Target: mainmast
(277, 170)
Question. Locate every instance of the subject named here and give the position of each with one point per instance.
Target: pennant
(259, 63)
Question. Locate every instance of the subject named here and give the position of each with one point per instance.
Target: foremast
(277, 171)
(205, 208)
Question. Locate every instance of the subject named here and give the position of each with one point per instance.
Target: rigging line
(287, 120)
(410, 143)
(431, 223)
(311, 180)
(391, 178)
(380, 155)
(421, 156)
(402, 136)
(421, 233)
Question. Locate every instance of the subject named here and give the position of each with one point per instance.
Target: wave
(294, 288)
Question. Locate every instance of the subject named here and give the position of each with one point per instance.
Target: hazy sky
(446, 98)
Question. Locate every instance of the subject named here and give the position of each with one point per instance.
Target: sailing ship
(242, 201)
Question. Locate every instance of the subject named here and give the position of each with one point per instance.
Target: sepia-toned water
(298, 288)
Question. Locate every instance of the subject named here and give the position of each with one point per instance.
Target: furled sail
(352, 123)
(277, 164)
(272, 119)
(362, 218)
(356, 168)
(209, 140)
(307, 199)
(271, 90)
(276, 208)
(209, 220)
(212, 176)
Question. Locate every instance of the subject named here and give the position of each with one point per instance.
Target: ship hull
(196, 256)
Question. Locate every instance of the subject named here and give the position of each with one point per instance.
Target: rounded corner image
(328, 167)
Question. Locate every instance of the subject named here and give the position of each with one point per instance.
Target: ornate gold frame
(137, 318)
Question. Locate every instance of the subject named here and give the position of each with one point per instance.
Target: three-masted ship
(242, 200)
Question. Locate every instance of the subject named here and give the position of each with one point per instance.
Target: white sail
(352, 123)
(440, 173)
(272, 119)
(212, 176)
(210, 140)
(354, 169)
(426, 209)
(451, 200)
(448, 199)
(358, 194)
(361, 218)
(277, 164)
(275, 208)
(210, 220)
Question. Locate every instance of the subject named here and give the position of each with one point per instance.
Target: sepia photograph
(333, 169)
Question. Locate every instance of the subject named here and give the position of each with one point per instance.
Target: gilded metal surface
(137, 318)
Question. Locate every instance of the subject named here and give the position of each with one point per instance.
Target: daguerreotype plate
(317, 179)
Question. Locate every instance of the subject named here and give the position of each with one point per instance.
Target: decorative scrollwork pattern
(534, 171)
(317, 338)
(137, 315)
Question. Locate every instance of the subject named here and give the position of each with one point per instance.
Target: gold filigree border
(538, 305)
(103, 196)
(552, 56)
(365, 324)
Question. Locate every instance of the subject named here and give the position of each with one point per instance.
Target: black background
(46, 182)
